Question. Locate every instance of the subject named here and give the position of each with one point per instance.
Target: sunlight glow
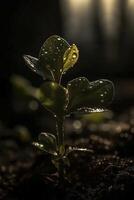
(130, 10)
(76, 16)
(109, 16)
(131, 3)
(78, 5)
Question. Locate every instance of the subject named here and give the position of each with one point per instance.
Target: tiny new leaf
(70, 57)
(49, 142)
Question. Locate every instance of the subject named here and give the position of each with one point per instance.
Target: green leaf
(55, 58)
(77, 150)
(51, 57)
(54, 98)
(32, 63)
(85, 96)
(70, 57)
(49, 143)
(38, 145)
(23, 86)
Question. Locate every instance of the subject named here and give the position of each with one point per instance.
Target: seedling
(80, 95)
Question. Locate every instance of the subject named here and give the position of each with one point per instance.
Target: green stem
(60, 141)
(60, 131)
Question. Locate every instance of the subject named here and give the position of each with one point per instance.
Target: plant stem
(60, 131)
(60, 141)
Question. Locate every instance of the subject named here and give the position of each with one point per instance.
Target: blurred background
(102, 29)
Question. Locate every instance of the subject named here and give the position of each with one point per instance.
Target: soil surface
(105, 174)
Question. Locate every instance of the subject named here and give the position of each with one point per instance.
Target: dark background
(26, 24)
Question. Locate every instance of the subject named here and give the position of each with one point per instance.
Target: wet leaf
(85, 96)
(42, 148)
(55, 58)
(51, 57)
(54, 98)
(70, 57)
(38, 145)
(77, 150)
(49, 142)
(32, 63)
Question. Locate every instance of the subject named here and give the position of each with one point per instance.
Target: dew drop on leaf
(59, 38)
(74, 55)
(90, 110)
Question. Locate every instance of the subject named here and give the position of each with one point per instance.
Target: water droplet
(60, 70)
(59, 38)
(101, 81)
(90, 110)
(45, 52)
(90, 87)
(58, 50)
(74, 55)
(64, 58)
(102, 95)
(38, 145)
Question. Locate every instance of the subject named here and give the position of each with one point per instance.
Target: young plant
(80, 95)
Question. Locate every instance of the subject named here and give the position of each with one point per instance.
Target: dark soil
(106, 174)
